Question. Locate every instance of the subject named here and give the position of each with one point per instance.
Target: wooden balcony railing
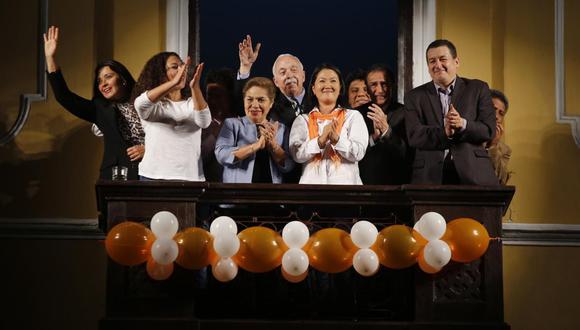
(460, 296)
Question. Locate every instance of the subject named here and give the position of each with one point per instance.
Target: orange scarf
(338, 114)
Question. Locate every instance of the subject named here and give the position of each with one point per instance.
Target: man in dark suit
(289, 76)
(388, 157)
(448, 121)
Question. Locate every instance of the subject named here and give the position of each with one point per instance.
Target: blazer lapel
(457, 94)
(435, 103)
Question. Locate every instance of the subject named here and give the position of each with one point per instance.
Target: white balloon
(295, 234)
(164, 251)
(226, 245)
(431, 225)
(295, 262)
(164, 224)
(225, 270)
(223, 224)
(365, 262)
(437, 253)
(363, 234)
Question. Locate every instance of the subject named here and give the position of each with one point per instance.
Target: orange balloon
(195, 248)
(292, 278)
(398, 246)
(330, 250)
(129, 243)
(424, 265)
(261, 249)
(467, 238)
(157, 271)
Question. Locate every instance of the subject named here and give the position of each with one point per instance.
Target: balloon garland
(431, 243)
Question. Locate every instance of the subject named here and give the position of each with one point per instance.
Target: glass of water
(120, 173)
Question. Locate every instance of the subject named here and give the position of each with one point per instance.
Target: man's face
(288, 76)
(499, 110)
(377, 84)
(442, 66)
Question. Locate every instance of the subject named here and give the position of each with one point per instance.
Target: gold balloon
(467, 238)
(195, 248)
(398, 246)
(157, 271)
(424, 265)
(292, 278)
(330, 250)
(261, 249)
(129, 243)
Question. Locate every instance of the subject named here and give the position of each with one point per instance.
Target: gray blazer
(238, 132)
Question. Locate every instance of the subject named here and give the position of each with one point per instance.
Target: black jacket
(104, 115)
(389, 160)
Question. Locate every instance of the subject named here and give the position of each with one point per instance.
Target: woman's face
(257, 104)
(326, 87)
(109, 84)
(171, 66)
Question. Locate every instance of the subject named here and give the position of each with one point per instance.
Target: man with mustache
(388, 157)
(448, 121)
(288, 76)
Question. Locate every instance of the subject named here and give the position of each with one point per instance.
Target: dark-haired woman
(251, 148)
(173, 115)
(109, 109)
(331, 139)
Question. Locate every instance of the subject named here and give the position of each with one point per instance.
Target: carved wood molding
(40, 95)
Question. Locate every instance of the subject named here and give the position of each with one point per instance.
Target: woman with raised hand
(252, 149)
(173, 114)
(330, 140)
(109, 109)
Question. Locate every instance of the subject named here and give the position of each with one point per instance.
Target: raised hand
(379, 119)
(50, 46)
(179, 80)
(50, 41)
(247, 54)
(194, 83)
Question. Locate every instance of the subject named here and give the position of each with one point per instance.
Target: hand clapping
(379, 119)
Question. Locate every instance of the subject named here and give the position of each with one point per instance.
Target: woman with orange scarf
(330, 140)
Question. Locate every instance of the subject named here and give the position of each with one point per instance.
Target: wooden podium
(460, 296)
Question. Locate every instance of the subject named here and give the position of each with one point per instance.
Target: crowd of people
(260, 130)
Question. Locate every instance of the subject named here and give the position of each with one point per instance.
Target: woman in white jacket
(173, 115)
(330, 140)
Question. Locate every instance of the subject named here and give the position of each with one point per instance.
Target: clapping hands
(329, 134)
(268, 131)
(454, 121)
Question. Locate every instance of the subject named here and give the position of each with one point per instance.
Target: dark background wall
(348, 34)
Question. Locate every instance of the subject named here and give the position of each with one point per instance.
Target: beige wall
(503, 43)
(541, 287)
(510, 44)
(50, 169)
